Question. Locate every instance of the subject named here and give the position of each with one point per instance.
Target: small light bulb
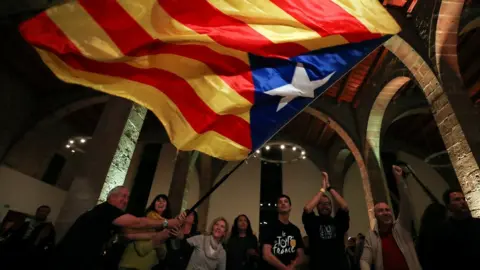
(265, 223)
(303, 157)
(83, 140)
(303, 153)
(294, 148)
(258, 151)
(261, 204)
(268, 204)
(67, 146)
(73, 151)
(282, 146)
(71, 141)
(267, 147)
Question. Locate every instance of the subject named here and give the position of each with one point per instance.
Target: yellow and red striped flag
(221, 75)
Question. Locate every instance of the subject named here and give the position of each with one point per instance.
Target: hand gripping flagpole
(225, 177)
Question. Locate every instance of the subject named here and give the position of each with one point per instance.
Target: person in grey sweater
(208, 252)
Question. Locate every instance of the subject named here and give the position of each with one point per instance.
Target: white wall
(355, 196)
(24, 193)
(301, 181)
(240, 194)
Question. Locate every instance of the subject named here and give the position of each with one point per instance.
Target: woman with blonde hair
(144, 254)
(208, 252)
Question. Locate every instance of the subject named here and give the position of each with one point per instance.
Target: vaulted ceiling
(23, 61)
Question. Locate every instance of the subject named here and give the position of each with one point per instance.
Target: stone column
(179, 181)
(106, 150)
(454, 114)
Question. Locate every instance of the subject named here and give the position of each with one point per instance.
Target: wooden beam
(371, 71)
(342, 87)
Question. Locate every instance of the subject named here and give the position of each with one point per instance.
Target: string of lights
(76, 144)
(290, 152)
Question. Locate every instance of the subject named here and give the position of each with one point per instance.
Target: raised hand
(326, 179)
(397, 172)
(325, 182)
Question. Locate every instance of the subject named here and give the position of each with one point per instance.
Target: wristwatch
(165, 223)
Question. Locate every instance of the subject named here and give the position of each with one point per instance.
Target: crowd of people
(448, 238)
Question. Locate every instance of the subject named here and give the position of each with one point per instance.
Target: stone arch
(475, 23)
(453, 135)
(421, 110)
(56, 116)
(446, 34)
(377, 111)
(339, 163)
(352, 146)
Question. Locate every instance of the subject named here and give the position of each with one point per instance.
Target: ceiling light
(267, 147)
(303, 153)
(73, 151)
(71, 141)
(294, 148)
(67, 146)
(282, 146)
(303, 157)
(268, 204)
(83, 140)
(258, 151)
(261, 204)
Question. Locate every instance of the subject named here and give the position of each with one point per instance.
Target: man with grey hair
(84, 243)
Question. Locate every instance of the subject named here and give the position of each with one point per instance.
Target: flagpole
(218, 184)
(225, 177)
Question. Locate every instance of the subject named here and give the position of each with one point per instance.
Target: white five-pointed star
(301, 86)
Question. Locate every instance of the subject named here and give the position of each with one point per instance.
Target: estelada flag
(223, 76)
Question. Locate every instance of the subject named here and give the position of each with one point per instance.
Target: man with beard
(456, 243)
(390, 244)
(325, 233)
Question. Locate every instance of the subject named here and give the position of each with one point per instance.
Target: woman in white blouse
(208, 252)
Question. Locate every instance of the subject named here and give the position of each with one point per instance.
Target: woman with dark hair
(144, 254)
(242, 247)
(178, 250)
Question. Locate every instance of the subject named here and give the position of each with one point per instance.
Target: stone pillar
(126, 146)
(179, 181)
(454, 114)
(94, 165)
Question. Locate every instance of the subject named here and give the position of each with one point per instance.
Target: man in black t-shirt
(83, 245)
(282, 242)
(326, 234)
